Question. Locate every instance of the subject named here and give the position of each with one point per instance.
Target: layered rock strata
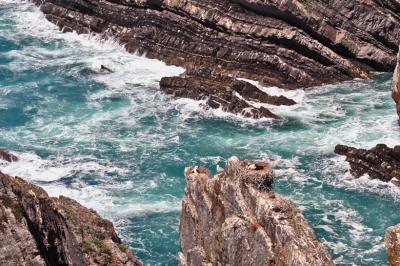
(380, 162)
(290, 44)
(228, 94)
(235, 218)
(392, 244)
(36, 229)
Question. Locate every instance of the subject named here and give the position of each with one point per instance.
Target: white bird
(196, 170)
(220, 169)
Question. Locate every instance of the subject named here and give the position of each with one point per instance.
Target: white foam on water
(336, 172)
(99, 197)
(190, 108)
(144, 208)
(91, 50)
(129, 70)
(327, 229)
(34, 168)
(296, 95)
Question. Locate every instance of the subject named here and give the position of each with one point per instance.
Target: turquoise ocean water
(116, 144)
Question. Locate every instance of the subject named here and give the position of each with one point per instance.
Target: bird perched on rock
(196, 170)
(220, 170)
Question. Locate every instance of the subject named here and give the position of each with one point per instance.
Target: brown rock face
(7, 156)
(36, 229)
(236, 219)
(380, 162)
(284, 43)
(396, 86)
(392, 244)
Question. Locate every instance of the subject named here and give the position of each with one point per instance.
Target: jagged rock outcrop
(285, 43)
(7, 156)
(392, 244)
(396, 85)
(235, 218)
(36, 229)
(231, 95)
(380, 162)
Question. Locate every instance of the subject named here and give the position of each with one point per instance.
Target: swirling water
(116, 144)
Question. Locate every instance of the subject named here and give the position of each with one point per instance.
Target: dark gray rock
(284, 43)
(7, 156)
(380, 162)
(36, 229)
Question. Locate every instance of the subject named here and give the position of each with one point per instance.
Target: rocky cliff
(380, 162)
(36, 229)
(285, 43)
(396, 85)
(383, 163)
(392, 243)
(235, 218)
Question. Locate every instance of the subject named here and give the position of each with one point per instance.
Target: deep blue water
(116, 144)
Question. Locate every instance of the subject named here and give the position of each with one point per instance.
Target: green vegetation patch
(37, 191)
(15, 208)
(86, 247)
(103, 248)
(70, 214)
(122, 247)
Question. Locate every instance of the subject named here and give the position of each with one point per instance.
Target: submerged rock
(8, 156)
(380, 162)
(289, 44)
(396, 85)
(231, 95)
(36, 229)
(392, 244)
(236, 219)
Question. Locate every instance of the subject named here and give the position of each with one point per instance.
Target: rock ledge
(380, 162)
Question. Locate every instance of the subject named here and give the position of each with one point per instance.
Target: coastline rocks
(392, 244)
(36, 229)
(396, 85)
(380, 162)
(7, 156)
(235, 218)
(231, 95)
(289, 44)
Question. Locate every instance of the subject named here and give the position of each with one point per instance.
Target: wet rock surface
(235, 218)
(380, 162)
(7, 156)
(392, 244)
(396, 86)
(289, 44)
(36, 229)
(230, 95)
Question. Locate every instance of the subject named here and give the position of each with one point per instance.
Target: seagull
(196, 170)
(220, 169)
